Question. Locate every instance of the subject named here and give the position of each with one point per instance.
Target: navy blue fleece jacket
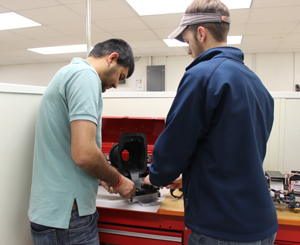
(216, 135)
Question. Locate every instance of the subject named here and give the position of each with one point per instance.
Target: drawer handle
(143, 235)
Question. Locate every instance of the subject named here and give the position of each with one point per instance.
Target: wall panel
(292, 135)
(276, 71)
(17, 130)
(275, 146)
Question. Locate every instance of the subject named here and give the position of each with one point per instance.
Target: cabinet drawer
(116, 234)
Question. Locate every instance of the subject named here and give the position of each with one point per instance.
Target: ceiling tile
(72, 1)
(136, 52)
(8, 36)
(100, 37)
(6, 62)
(274, 3)
(162, 20)
(28, 43)
(52, 15)
(163, 33)
(60, 41)
(292, 38)
(18, 52)
(4, 10)
(102, 10)
(7, 47)
(239, 16)
(96, 37)
(37, 32)
(26, 4)
(254, 39)
(237, 30)
(68, 28)
(290, 50)
(297, 28)
(68, 56)
(157, 51)
(142, 35)
(289, 46)
(124, 24)
(270, 28)
(275, 15)
(257, 46)
(148, 44)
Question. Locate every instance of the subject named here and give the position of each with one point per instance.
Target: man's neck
(215, 45)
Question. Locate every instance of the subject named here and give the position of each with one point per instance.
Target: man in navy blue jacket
(216, 135)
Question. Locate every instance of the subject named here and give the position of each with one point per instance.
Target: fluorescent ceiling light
(175, 43)
(234, 39)
(61, 49)
(153, 7)
(12, 20)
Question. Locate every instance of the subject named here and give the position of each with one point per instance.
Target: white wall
(292, 135)
(17, 126)
(283, 145)
(278, 71)
(137, 104)
(30, 74)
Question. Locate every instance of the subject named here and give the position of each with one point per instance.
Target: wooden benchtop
(172, 205)
(175, 206)
(287, 216)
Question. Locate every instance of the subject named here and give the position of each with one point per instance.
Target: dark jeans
(82, 231)
(200, 239)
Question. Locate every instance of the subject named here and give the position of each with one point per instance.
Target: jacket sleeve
(187, 123)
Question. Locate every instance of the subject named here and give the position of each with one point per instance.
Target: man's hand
(147, 181)
(176, 184)
(126, 189)
(107, 187)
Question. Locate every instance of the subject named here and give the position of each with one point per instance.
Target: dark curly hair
(119, 46)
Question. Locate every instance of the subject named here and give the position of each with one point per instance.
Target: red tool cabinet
(130, 227)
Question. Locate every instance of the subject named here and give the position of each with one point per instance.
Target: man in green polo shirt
(68, 161)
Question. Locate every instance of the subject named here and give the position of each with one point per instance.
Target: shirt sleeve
(187, 123)
(82, 95)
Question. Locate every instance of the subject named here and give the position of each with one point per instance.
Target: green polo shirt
(75, 93)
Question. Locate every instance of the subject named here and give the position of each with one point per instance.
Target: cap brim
(177, 34)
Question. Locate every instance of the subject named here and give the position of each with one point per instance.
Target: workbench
(289, 226)
(159, 225)
(166, 226)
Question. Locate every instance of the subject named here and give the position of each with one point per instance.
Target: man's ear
(112, 58)
(202, 33)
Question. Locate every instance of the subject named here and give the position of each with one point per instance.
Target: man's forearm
(87, 155)
(97, 166)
